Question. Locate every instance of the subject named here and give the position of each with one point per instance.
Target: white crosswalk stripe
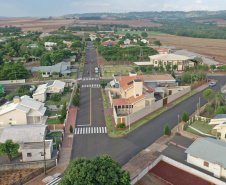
(91, 86)
(90, 130)
(86, 78)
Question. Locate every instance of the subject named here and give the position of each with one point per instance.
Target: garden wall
(12, 81)
(37, 164)
(179, 94)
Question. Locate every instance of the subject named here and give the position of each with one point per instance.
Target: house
(127, 41)
(93, 38)
(110, 43)
(31, 141)
(202, 59)
(145, 41)
(44, 35)
(163, 51)
(135, 40)
(62, 68)
(68, 43)
(45, 90)
(208, 154)
(22, 111)
(171, 59)
(48, 45)
(32, 46)
(219, 124)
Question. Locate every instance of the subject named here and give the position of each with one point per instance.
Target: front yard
(113, 133)
(56, 136)
(65, 98)
(109, 70)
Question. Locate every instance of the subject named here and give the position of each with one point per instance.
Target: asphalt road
(123, 149)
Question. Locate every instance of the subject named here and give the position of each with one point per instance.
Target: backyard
(56, 136)
(65, 98)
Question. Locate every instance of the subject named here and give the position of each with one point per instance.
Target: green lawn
(53, 121)
(54, 134)
(184, 98)
(197, 133)
(205, 114)
(105, 102)
(133, 127)
(202, 126)
(65, 98)
(52, 113)
(139, 32)
(109, 70)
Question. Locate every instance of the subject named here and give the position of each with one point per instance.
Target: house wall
(126, 94)
(36, 154)
(222, 131)
(138, 105)
(178, 94)
(55, 89)
(138, 88)
(200, 163)
(180, 63)
(18, 118)
(40, 97)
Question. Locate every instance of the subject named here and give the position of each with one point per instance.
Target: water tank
(110, 44)
(32, 89)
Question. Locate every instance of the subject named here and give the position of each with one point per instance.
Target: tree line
(7, 29)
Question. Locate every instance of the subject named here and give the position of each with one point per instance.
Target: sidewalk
(65, 153)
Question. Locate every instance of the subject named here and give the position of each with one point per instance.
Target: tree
(168, 67)
(98, 170)
(167, 130)
(221, 110)
(55, 97)
(63, 113)
(71, 129)
(212, 67)
(144, 34)
(9, 148)
(77, 90)
(173, 74)
(200, 67)
(75, 100)
(187, 68)
(206, 94)
(157, 43)
(209, 109)
(185, 117)
(161, 68)
(174, 67)
(156, 68)
(136, 69)
(26, 56)
(103, 83)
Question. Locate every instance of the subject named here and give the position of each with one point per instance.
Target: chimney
(16, 100)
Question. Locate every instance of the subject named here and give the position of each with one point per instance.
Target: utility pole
(199, 106)
(44, 153)
(178, 123)
(191, 85)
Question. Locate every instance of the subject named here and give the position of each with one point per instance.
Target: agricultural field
(220, 22)
(132, 23)
(139, 32)
(35, 24)
(209, 47)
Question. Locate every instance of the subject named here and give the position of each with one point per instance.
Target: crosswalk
(90, 130)
(91, 85)
(54, 181)
(90, 79)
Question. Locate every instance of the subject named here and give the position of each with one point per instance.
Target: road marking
(97, 130)
(87, 125)
(90, 106)
(86, 130)
(105, 129)
(83, 131)
(94, 130)
(102, 129)
(91, 130)
(75, 130)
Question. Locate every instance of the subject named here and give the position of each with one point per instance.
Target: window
(123, 106)
(206, 164)
(179, 63)
(137, 94)
(156, 62)
(164, 63)
(170, 63)
(29, 154)
(42, 153)
(119, 106)
(48, 73)
(127, 106)
(44, 73)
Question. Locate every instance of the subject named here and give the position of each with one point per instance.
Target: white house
(45, 90)
(50, 44)
(22, 111)
(208, 154)
(145, 41)
(31, 141)
(127, 41)
(219, 124)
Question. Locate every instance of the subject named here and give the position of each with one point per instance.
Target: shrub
(77, 90)
(185, 117)
(221, 110)
(121, 125)
(78, 86)
(75, 100)
(71, 129)
(209, 109)
(103, 83)
(167, 130)
(55, 97)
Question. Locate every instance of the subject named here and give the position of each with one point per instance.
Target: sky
(45, 8)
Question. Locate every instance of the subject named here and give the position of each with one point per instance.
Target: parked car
(91, 61)
(212, 84)
(86, 62)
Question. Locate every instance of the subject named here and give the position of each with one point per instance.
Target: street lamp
(178, 123)
(44, 153)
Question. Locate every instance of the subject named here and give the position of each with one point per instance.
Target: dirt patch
(36, 24)
(175, 175)
(133, 23)
(8, 177)
(209, 47)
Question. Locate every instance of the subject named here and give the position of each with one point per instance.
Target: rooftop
(220, 116)
(169, 57)
(205, 148)
(24, 133)
(37, 145)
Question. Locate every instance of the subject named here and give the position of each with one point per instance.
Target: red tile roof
(162, 50)
(130, 100)
(120, 102)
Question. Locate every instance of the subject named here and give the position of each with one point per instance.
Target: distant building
(127, 41)
(32, 46)
(163, 51)
(62, 68)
